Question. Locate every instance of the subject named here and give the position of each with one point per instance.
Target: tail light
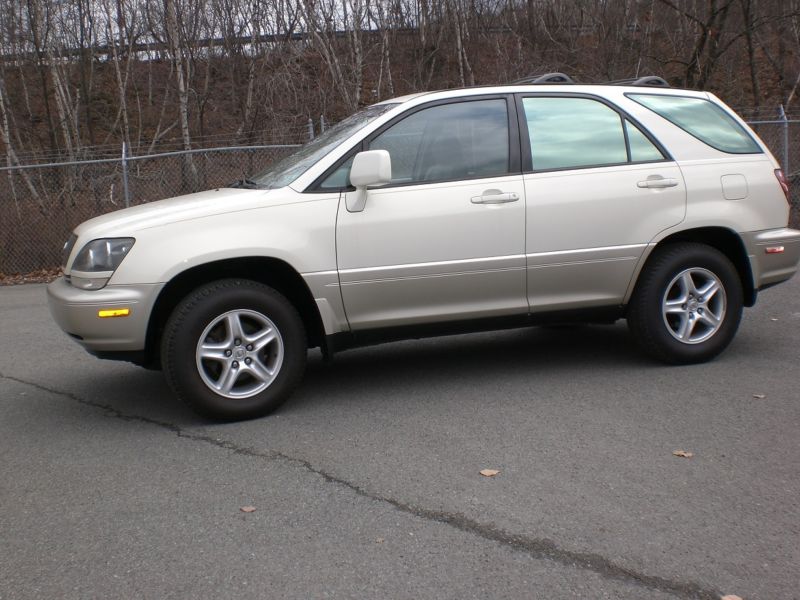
(783, 181)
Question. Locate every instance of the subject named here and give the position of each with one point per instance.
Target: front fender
(302, 234)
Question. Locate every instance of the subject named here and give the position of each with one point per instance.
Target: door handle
(495, 197)
(657, 182)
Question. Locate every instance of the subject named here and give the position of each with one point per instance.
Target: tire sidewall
(665, 268)
(196, 312)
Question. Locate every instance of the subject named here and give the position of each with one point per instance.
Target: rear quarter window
(703, 119)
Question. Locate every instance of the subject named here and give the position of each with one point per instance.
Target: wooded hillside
(79, 77)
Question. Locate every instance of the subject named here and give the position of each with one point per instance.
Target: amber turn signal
(113, 312)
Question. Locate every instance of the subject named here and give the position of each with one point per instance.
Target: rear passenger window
(703, 119)
(642, 149)
(573, 132)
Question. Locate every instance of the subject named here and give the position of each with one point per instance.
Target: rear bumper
(76, 312)
(768, 263)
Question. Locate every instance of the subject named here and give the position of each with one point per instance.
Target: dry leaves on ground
(489, 472)
(40, 276)
(248, 509)
(683, 454)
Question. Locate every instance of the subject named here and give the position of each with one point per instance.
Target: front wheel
(234, 349)
(687, 304)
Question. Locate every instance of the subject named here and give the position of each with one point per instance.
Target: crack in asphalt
(537, 548)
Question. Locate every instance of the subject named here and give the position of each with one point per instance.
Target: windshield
(286, 170)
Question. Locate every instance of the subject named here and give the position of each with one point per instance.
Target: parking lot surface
(366, 483)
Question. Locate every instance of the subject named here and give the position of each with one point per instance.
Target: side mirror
(373, 167)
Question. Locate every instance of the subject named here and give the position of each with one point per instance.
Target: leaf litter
(683, 454)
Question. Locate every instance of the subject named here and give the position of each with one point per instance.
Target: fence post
(785, 165)
(125, 189)
(322, 123)
(310, 129)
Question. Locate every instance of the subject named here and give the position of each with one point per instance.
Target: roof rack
(546, 78)
(647, 80)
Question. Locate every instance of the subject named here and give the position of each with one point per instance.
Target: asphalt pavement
(366, 483)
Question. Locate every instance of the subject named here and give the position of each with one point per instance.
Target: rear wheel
(687, 304)
(234, 349)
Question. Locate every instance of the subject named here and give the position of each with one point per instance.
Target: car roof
(608, 90)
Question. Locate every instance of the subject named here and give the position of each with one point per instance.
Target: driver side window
(462, 140)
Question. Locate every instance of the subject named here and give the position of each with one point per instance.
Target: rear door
(598, 188)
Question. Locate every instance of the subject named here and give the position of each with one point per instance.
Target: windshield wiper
(245, 183)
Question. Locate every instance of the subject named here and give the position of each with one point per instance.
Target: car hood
(181, 208)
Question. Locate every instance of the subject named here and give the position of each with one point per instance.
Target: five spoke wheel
(234, 349)
(694, 305)
(239, 353)
(687, 303)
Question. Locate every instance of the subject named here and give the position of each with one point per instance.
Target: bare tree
(11, 155)
(322, 21)
(181, 75)
(85, 73)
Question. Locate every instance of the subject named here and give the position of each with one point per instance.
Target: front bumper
(769, 264)
(76, 310)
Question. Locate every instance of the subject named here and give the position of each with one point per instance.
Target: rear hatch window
(703, 119)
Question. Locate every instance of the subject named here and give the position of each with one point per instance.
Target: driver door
(445, 240)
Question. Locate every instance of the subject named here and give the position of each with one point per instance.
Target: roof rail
(647, 80)
(546, 78)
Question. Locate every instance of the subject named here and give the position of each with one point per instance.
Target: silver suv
(437, 213)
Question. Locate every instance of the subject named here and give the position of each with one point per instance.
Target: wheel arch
(273, 272)
(723, 239)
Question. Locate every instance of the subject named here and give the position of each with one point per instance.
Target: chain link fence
(40, 204)
(781, 136)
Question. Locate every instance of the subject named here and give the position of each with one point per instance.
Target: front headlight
(96, 262)
(67, 250)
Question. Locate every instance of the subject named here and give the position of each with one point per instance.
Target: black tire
(665, 272)
(254, 391)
